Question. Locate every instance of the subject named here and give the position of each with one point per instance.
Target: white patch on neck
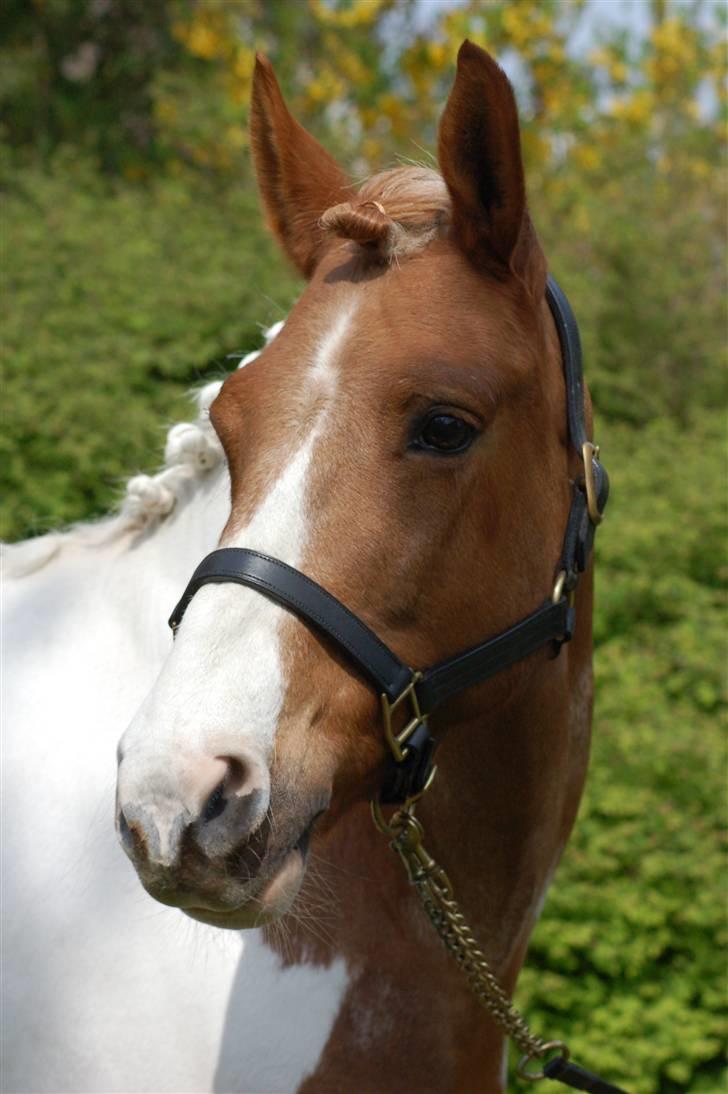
(278, 1021)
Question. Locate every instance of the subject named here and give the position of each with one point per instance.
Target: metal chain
(435, 891)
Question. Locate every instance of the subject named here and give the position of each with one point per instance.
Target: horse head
(403, 442)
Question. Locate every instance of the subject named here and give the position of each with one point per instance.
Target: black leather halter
(428, 689)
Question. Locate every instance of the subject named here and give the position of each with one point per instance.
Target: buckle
(590, 452)
(413, 770)
(565, 589)
(398, 741)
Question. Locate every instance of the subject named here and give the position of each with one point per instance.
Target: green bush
(122, 298)
(625, 962)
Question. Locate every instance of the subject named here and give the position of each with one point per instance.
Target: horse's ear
(297, 178)
(479, 151)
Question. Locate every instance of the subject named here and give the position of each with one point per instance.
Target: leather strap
(573, 365)
(306, 599)
(445, 680)
(571, 356)
(563, 1071)
(311, 602)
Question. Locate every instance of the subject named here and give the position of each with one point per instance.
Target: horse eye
(446, 434)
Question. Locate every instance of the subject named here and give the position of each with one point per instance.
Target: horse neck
(107, 589)
(162, 559)
(497, 817)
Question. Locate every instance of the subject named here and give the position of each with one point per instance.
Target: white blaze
(224, 680)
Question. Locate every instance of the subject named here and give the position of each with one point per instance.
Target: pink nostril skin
(219, 800)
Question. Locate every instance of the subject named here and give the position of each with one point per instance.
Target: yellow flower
(700, 169)
(636, 110)
(618, 71)
(351, 65)
(437, 54)
(600, 58)
(371, 150)
(316, 90)
(554, 99)
(236, 137)
(515, 26)
(326, 87)
(357, 14)
(204, 42)
(244, 63)
(586, 156)
(672, 37)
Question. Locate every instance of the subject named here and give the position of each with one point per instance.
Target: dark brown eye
(445, 434)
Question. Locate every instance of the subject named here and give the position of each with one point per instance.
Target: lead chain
(435, 891)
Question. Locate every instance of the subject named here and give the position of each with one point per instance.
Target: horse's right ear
(297, 178)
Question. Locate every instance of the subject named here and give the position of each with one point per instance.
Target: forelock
(395, 213)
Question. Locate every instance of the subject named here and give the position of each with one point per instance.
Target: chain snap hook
(538, 1053)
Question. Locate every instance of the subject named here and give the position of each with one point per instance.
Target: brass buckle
(397, 741)
(589, 452)
(560, 589)
(558, 592)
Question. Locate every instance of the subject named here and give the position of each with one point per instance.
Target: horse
(401, 478)
(100, 993)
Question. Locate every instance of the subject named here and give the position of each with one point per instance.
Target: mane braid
(192, 450)
(395, 213)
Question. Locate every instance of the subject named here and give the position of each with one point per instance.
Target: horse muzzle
(200, 836)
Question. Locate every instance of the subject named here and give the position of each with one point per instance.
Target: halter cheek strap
(423, 691)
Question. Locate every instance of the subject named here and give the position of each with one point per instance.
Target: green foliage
(122, 299)
(625, 962)
(642, 253)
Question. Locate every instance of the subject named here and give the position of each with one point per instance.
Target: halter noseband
(424, 690)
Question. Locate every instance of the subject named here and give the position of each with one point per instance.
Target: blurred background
(134, 260)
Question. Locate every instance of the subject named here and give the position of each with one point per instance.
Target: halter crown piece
(412, 748)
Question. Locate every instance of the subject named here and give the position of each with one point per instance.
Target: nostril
(236, 774)
(234, 780)
(216, 803)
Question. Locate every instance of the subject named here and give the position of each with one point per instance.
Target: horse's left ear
(479, 150)
(297, 178)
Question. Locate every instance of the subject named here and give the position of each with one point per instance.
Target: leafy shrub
(122, 298)
(625, 961)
